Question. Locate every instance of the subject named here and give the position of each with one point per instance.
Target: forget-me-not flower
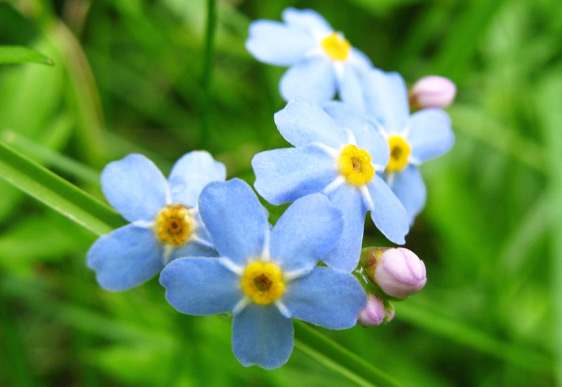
(339, 161)
(265, 276)
(164, 218)
(322, 61)
(412, 138)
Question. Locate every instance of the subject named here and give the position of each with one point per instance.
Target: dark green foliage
(128, 78)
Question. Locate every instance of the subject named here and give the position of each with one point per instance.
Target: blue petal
(262, 336)
(305, 233)
(387, 100)
(409, 188)
(313, 78)
(389, 215)
(302, 123)
(345, 115)
(193, 249)
(135, 187)
(284, 175)
(307, 20)
(350, 88)
(125, 258)
(200, 286)
(325, 297)
(191, 173)
(204, 247)
(345, 254)
(365, 135)
(374, 143)
(275, 43)
(430, 133)
(359, 61)
(235, 219)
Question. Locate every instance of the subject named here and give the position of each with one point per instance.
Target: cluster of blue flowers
(211, 238)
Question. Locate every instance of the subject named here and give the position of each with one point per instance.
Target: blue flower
(265, 276)
(339, 161)
(164, 218)
(322, 61)
(412, 138)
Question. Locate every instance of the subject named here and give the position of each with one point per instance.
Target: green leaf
(57, 193)
(18, 54)
(43, 155)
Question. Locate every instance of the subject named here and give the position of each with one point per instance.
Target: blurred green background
(128, 78)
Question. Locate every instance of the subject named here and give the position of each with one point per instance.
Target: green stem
(338, 358)
(207, 72)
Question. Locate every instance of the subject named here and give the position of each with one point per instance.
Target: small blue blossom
(322, 61)
(412, 138)
(164, 218)
(339, 161)
(265, 276)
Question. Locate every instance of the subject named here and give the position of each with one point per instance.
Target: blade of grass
(18, 54)
(36, 295)
(207, 72)
(45, 155)
(25, 89)
(473, 338)
(515, 250)
(14, 361)
(549, 96)
(516, 254)
(83, 96)
(339, 359)
(462, 40)
(487, 130)
(56, 192)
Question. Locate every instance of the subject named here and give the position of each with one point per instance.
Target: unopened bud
(398, 272)
(376, 312)
(389, 308)
(432, 92)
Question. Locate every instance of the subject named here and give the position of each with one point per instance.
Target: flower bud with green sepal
(397, 272)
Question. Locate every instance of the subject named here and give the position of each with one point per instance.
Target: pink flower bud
(432, 92)
(399, 273)
(374, 313)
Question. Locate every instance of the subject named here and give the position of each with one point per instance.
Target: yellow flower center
(336, 47)
(355, 165)
(263, 282)
(399, 152)
(174, 225)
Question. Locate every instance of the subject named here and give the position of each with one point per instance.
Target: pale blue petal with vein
(125, 258)
(200, 286)
(312, 298)
(135, 187)
(306, 231)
